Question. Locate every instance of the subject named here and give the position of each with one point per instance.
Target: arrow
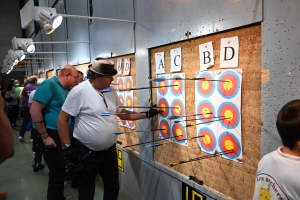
(129, 89)
(189, 125)
(119, 133)
(202, 157)
(195, 119)
(109, 113)
(177, 78)
(176, 117)
(145, 107)
(161, 140)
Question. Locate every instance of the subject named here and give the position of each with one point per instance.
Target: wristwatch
(64, 146)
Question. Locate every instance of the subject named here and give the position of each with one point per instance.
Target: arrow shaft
(141, 88)
(143, 107)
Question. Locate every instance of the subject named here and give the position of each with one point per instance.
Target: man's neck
(96, 85)
(292, 152)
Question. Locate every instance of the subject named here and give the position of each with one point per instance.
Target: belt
(79, 144)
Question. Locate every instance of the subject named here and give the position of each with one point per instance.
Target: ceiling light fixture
(25, 44)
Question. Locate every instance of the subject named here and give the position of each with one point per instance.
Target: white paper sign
(119, 65)
(126, 66)
(176, 60)
(206, 53)
(229, 56)
(160, 63)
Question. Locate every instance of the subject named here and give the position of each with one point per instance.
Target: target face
(228, 141)
(123, 122)
(162, 90)
(177, 89)
(228, 87)
(229, 115)
(131, 124)
(128, 83)
(205, 107)
(163, 103)
(178, 131)
(164, 125)
(177, 108)
(129, 101)
(205, 88)
(120, 83)
(121, 99)
(208, 142)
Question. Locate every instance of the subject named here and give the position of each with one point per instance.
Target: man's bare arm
(63, 128)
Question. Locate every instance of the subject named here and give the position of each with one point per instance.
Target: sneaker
(21, 139)
(38, 167)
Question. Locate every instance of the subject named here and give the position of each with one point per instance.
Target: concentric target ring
(163, 103)
(129, 101)
(228, 141)
(208, 142)
(122, 99)
(120, 83)
(229, 84)
(205, 88)
(162, 90)
(177, 108)
(179, 132)
(178, 89)
(128, 84)
(164, 125)
(229, 115)
(203, 108)
(131, 124)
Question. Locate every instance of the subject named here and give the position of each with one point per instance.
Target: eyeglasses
(76, 77)
(102, 95)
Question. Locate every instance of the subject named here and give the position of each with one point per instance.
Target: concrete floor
(21, 183)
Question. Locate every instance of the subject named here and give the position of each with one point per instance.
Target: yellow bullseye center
(205, 85)
(162, 86)
(128, 85)
(177, 109)
(206, 139)
(204, 111)
(128, 103)
(163, 107)
(228, 84)
(121, 101)
(228, 115)
(165, 129)
(178, 132)
(228, 144)
(176, 87)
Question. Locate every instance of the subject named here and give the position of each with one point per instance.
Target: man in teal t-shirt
(46, 105)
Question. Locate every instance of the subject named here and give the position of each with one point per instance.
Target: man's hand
(152, 112)
(71, 154)
(49, 142)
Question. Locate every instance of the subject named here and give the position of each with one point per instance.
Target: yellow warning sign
(120, 159)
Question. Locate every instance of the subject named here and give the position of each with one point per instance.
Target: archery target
(228, 141)
(128, 83)
(129, 101)
(177, 89)
(177, 107)
(229, 115)
(164, 125)
(208, 142)
(121, 99)
(165, 107)
(131, 124)
(120, 83)
(205, 88)
(178, 132)
(229, 84)
(162, 90)
(123, 122)
(203, 108)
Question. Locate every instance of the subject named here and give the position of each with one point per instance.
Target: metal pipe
(96, 18)
(61, 42)
(44, 52)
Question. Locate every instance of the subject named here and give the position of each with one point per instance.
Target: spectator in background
(80, 77)
(6, 137)
(24, 106)
(277, 175)
(12, 105)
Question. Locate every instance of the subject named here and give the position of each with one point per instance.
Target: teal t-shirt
(51, 93)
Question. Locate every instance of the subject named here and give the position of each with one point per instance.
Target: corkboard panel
(232, 179)
(129, 138)
(50, 73)
(83, 68)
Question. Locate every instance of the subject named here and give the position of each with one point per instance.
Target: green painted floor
(21, 183)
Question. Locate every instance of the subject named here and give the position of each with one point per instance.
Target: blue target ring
(230, 111)
(179, 127)
(228, 141)
(231, 88)
(205, 88)
(209, 142)
(174, 90)
(206, 107)
(162, 90)
(164, 103)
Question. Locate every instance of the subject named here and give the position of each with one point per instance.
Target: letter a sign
(229, 56)
(160, 63)
(207, 60)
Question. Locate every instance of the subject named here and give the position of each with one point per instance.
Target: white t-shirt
(31, 96)
(278, 177)
(86, 104)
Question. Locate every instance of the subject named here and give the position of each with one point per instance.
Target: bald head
(68, 76)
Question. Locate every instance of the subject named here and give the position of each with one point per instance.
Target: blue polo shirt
(51, 93)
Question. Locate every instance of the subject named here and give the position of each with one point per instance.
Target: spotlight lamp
(20, 55)
(25, 44)
(13, 56)
(46, 17)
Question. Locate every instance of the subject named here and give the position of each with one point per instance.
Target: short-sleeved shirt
(25, 93)
(14, 100)
(18, 91)
(51, 93)
(93, 130)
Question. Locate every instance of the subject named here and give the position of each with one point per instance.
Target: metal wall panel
(59, 60)
(48, 63)
(112, 36)
(35, 64)
(77, 30)
(280, 55)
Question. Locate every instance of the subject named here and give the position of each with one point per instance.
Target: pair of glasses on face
(103, 97)
(76, 77)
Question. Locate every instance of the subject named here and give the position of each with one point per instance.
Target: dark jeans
(54, 159)
(106, 164)
(12, 113)
(26, 119)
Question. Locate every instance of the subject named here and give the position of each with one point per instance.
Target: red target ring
(123, 122)
(128, 83)
(122, 99)
(178, 131)
(164, 106)
(177, 108)
(120, 83)
(206, 87)
(205, 107)
(229, 115)
(131, 123)
(162, 90)
(129, 101)
(177, 88)
(227, 142)
(165, 132)
(229, 84)
(208, 140)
